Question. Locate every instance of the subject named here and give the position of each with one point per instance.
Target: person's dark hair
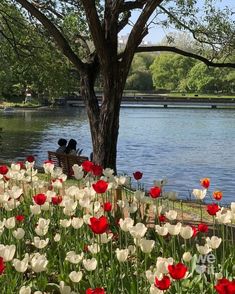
(62, 142)
(72, 145)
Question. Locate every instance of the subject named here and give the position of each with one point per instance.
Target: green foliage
(140, 77)
(29, 60)
(170, 70)
(178, 73)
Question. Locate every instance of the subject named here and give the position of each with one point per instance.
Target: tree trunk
(103, 119)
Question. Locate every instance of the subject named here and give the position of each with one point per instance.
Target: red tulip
(177, 271)
(96, 170)
(138, 175)
(163, 284)
(155, 192)
(95, 291)
(20, 218)
(205, 182)
(87, 166)
(217, 195)
(3, 170)
(107, 206)
(195, 231)
(56, 200)
(99, 225)
(100, 186)
(162, 218)
(30, 158)
(203, 228)
(224, 286)
(2, 265)
(213, 208)
(40, 199)
(49, 162)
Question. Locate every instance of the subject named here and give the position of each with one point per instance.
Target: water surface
(183, 145)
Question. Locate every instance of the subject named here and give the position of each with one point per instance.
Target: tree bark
(103, 118)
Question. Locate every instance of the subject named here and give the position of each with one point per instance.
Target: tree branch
(138, 32)
(184, 53)
(124, 21)
(130, 5)
(54, 32)
(96, 30)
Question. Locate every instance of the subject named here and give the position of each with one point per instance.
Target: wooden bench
(66, 161)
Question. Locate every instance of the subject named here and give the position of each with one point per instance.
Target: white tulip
(150, 276)
(38, 243)
(162, 264)
(46, 206)
(171, 214)
(48, 167)
(94, 248)
(90, 264)
(108, 172)
(138, 231)
(4, 198)
(35, 209)
(42, 222)
(233, 207)
(86, 218)
(57, 237)
(15, 192)
(65, 223)
(133, 207)
(199, 194)
(162, 231)
(139, 195)
(186, 232)
(65, 289)
(41, 231)
(78, 171)
(126, 224)
(224, 217)
(105, 238)
(75, 277)
(25, 290)
(122, 254)
(7, 252)
(204, 250)
(74, 258)
(155, 290)
(213, 242)
(173, 229)
(21, 265)
(10, 223)
(187, 256)
(39, 263)
(146, 245)
(19, 233)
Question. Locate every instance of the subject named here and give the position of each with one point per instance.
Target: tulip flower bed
(95, 237)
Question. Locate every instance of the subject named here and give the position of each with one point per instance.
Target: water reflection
(183, 145)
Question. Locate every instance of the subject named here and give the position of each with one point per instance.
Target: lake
(181, 144)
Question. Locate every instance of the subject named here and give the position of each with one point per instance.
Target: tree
(170, 70)
(140, 77)
(94, 49)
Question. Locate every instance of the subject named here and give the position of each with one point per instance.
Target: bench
(66, 161)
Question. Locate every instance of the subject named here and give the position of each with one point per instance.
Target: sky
(156, 34)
